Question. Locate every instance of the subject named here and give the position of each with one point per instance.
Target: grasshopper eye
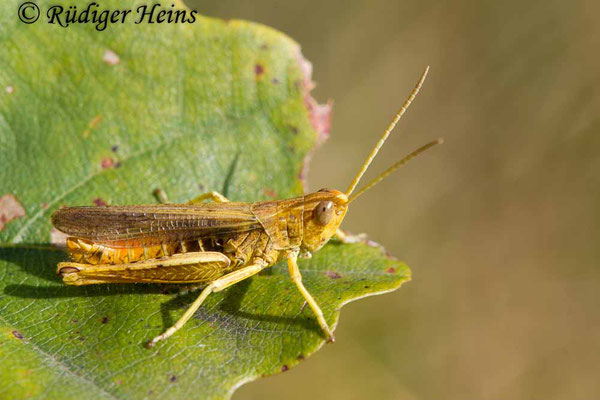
(324, 212)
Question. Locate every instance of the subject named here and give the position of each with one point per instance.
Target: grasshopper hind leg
(188, 268)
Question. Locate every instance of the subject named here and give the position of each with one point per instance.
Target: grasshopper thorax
(324, 211)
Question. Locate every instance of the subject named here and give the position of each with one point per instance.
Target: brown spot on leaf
(10, 209)
(300, 357)
(17, 334)
(9, 90)
(332, 275)
(114, 148)
(173, 379)
(284, 368)
(104, 320)
(110, 57)
(270, 192)
(58, 239)
(107, 162)
(391, 270)
(259, 69)
(99, 202)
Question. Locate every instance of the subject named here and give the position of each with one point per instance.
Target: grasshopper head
(323, 213)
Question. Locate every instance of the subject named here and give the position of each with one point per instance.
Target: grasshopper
(216, 244)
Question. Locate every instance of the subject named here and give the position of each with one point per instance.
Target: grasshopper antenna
(383, 138)
(394, 167)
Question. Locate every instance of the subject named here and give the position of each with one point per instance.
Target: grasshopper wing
(146, 225)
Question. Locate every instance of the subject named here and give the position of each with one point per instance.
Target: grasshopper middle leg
(215, 286)
(214, 196)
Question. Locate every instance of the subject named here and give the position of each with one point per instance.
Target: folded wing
(145, 225)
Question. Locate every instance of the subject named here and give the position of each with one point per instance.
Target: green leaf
(106, 117)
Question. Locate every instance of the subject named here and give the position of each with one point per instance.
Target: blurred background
(499, 225)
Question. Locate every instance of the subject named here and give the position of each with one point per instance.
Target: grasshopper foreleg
(348, 238)
(292, 257)
(215, 286)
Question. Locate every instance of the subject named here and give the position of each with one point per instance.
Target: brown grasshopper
(217, 244)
